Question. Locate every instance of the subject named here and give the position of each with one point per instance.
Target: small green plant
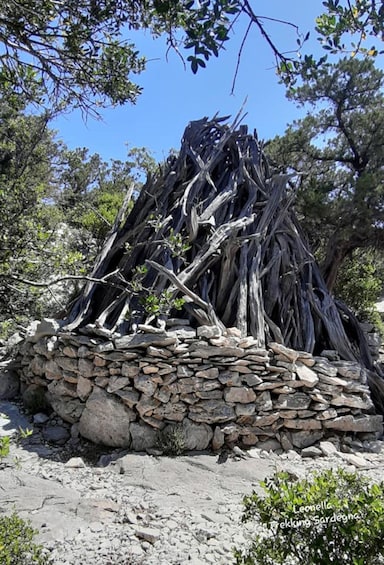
(16, 543)
(171, 440)
(331, 518)
(4, 446)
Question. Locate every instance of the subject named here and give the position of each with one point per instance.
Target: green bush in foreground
(333, 517)
(16, 543)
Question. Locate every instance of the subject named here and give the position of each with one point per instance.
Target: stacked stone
(220, 390)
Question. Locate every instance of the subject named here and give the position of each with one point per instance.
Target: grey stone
(145, 384)
(117, 383)
(211, 373)
(148, 534)
(144, 340)
(56, 434)
(303, 424)
(218, 439)
(68, 364)
(280, 349)
(269, 445)
(105, 420)
(62, 388)
(143, 436)
(296, 401)
(9, 383)
(327, 448)
(349, 423)
(52, 370)
(352, 401)
(305, 439)
(35, 398)
(311, 451)
(83, 388)
(263, 401)
(197, 436)
(242, 395)
(306, 375)
(208, 331)
(75, 463)
(69, 409)
(171, 411)
(355, 460)
(86, 368)
(130, 397)
(40, 418)
(211, 412)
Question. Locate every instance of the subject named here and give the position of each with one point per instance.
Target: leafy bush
(4, 446)
(16, 543)
(360, 284)
(171, 440)
(332, 518)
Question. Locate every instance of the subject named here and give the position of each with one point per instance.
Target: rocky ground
(107, 508)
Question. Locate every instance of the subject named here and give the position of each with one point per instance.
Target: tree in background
(338, 149)
(80, 53)
(57, 206)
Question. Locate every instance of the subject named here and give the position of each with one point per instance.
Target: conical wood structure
(217, 231)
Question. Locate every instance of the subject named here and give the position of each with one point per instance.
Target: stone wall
(221, 390)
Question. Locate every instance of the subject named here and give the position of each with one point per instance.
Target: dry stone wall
(220, 390)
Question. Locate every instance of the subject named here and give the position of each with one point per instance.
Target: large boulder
(105, 420)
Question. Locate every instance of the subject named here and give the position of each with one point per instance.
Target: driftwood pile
(216, 229)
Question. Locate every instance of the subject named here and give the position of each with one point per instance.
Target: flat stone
(211, 412)
(349, 370)
(148, 534)
(105, 420)
(355, 460)
(311, 451)
(174, 412)
(306, 375)
(355, 401)
(211, 373)
(268, 420)
(245, 409)
(69, 409)
(242, 395)
(209, 351)
(144, 340)
(349, 423)
(324, 366)
(327, 448)
(56, 434)
(280, 349)
(117, 383)
(304, 424)
(208, 331)
(297, 401)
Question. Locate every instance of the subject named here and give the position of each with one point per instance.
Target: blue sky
(172, 96)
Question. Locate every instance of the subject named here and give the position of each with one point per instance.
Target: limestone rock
(327, 448)
(105, 420)
(242, 395)
(296, 401)
(9, 383)
(218, 439)
(143, 436)
(362, 423)
(211, 412)
(197, 436)
(83, 388)
(208, 331)
(305, 439)
(306, 375)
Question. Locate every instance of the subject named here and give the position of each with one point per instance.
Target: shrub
(171, 440)
(16, 543)
(333, 517)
